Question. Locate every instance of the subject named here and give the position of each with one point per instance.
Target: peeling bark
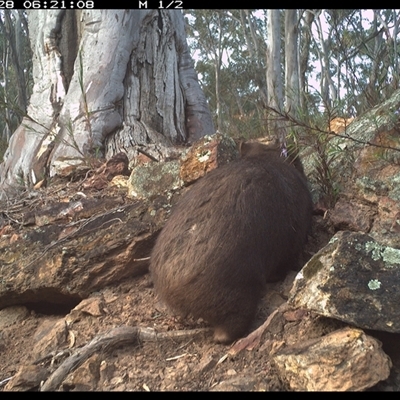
(105, 81)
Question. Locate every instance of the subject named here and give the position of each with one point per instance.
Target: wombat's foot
(227, 335)
(222, 336)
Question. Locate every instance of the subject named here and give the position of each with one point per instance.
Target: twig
(288, 118)
(4, 381)
(147, 154)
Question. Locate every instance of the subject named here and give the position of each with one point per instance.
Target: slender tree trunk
(371, 92)
(7, 112)
(254, 48)
(12, 32)
(304, 54)
(274, 75)
(275, 97)
(292, 89)
(217, 67)
(328, 89)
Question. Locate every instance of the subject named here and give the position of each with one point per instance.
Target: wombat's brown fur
(241, 225)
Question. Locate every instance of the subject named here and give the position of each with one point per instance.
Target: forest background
(255, 66)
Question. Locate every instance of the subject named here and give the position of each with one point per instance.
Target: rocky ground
(34, 343)
(48, 344)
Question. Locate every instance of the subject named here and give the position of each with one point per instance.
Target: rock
(154, 178)
(205, 155)
(27, 378)
(380, 187)
(238, 383)
(208, 153)
(85, 377)
(371, 173)
(49, 336)
(353, 279)
(92, 306)
(386, 225)
(61, 263)
(339, 125)
(363, 163)
(339, 361)
(349, 215)
(119, 181)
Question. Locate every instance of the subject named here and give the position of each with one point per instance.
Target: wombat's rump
(241, 225)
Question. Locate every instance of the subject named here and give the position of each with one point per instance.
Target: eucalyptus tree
(292, 70)
(15, 69)
(382, 50)
(212, 31)
(307, 18)
(274, 61)
(231, 62)
(105, 81)
(358, 54)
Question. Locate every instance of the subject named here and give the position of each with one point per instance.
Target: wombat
(240, 226)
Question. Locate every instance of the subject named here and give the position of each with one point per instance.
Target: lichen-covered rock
(205, 155)
(152, 178)
(354, 279)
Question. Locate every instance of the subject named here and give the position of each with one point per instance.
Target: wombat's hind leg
(229, 331)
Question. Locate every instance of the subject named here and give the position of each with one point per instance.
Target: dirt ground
(164, 365)
(194, 364)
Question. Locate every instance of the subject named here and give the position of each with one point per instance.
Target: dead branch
(120, 336)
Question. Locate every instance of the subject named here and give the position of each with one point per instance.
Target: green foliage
(311, 131)
(363, 56)
(361, 48)
(325, 175)
(227, 71)
(349, 62)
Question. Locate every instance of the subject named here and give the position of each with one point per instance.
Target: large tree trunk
(14, 70)
(105, 81)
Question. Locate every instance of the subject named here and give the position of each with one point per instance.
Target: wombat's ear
(242, 147)
(239, 144)
(247, 149)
